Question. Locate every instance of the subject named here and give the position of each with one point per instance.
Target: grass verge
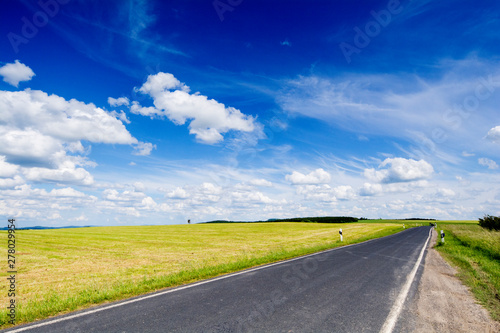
(476, 254)
(64, 270)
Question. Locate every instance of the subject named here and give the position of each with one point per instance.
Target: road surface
(358, 288)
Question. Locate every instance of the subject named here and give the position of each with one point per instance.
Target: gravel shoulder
(444, 304)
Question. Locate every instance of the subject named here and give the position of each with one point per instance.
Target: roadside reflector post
(340, 232)
(404, 226)
(442, 236)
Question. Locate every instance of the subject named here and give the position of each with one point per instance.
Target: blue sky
(155, 112)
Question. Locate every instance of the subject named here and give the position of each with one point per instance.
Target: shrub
(490, 222)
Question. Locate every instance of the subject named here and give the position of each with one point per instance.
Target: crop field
(475, 252)
(62, 270)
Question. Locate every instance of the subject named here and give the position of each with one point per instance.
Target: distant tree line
(322, 219)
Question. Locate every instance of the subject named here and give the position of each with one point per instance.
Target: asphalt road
(350, 289)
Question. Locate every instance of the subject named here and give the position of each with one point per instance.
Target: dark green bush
(490, 222)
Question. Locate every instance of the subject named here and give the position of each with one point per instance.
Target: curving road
(366, 287)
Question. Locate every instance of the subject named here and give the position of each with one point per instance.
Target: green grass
(64, 270)
(475, 252)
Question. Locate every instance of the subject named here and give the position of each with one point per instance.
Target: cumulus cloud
(114, 195)
(178, 193)
(118, 101)
(11, 182)
(16, 72)
(42, 135)
(343, 192)
(209, 119)
(210, 189)
(370, 189)
(488, 163)
(206, 193)
(143, 148)
(400, 170)
(494, 134)
(56, 117)
(251, 197)
(67, 172)
(35, 203)
(318, 176)
(7, 170)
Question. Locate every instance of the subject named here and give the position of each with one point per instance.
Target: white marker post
(340, 232)
(442, 236)
(404, 226)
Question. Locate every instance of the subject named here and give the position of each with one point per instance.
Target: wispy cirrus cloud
(435, 115)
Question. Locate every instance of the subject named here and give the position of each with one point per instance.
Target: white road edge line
(174, 289)
(392, 318)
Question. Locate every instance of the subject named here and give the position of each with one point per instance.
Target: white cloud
(494, 134)
(58, 118)
(11, 182)
(139, 187)
(16, 72)
(28, 146)
(445, 192)
(42, 136)
(7, 170)
(400, 170)
(370, 189)
(209, 119)
(125, 196)
(467, 154)
(67, 172)
(326, 193)
(178, 193)
(34, 203)
(488, 163)
(143, 148)
(147, 204)
(120, 115)
(54, 216)
(149, 111)
(66, 192)
(80, 218)
(261, 182)
(210, 189)
(161, 82)
(251, 197)
(318, 176)
(118, 101)
(343, 192)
